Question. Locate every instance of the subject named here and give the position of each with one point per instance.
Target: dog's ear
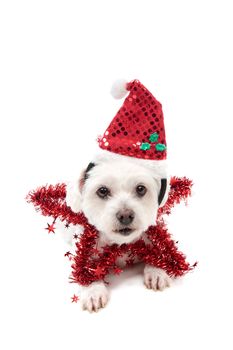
(89, 167)
(74, 189)
(163, 193)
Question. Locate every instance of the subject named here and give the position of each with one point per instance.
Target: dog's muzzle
(125, 217)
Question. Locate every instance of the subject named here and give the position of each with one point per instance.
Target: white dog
(121, 199)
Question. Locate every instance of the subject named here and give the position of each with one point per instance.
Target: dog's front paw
(155, 278)
(94, 297)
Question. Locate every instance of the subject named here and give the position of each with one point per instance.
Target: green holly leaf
(154, 137)
(160, 147)
(145, 146)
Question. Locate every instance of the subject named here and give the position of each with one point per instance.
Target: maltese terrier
(121, 191)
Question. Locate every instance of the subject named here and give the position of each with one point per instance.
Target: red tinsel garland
(90, 264)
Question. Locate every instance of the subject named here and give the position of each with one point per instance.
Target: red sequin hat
(137, 131)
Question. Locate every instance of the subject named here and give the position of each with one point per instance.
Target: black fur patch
(89, 167)
(162, 190)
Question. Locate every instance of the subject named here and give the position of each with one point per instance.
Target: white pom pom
(118, 89)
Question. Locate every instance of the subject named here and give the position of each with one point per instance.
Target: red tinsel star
(68, 254)
(118, 271)
(50, 228)
(162, 251)
(74, 298)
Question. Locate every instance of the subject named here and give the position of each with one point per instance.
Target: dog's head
(119, 198)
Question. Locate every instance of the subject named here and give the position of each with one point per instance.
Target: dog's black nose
(125, 216)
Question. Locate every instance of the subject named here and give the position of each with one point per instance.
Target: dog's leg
(155, 278)
(94, 297)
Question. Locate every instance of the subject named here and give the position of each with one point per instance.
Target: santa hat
(136, 134)
(137, 131)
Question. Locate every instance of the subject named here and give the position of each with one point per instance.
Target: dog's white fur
(121, 178)
(158, 167)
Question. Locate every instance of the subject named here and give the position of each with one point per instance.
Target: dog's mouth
(125, 231)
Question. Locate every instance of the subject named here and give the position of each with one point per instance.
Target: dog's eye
(103, 192)
(141, 190)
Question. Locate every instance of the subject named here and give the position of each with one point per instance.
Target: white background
(58, 60)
